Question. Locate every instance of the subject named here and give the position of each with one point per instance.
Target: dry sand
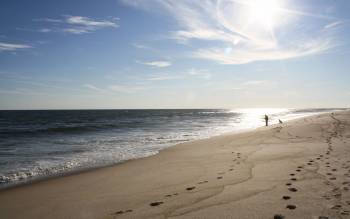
(300, 169)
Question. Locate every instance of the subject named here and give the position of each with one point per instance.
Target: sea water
(42, 143)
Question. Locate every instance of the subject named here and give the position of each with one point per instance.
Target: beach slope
(300, 169)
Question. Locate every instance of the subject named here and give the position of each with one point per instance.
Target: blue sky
(174, 54)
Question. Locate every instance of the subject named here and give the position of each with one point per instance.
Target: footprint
(291, 207)
(219, 177)
(122, 212)
(336, 207)
(119, 212)
(334, 170)
(329, 174)
(323, 217)
(288, 184)
(286, 197)
(190, 188)
(345, 213)
(278, 216)
(170, 195)
(230, 169)
(292, 174)
(298, 170)
(293, 179)
(333, 178)
(156, 203)
(293, 189)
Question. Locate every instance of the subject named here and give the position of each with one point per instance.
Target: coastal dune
(299, 169)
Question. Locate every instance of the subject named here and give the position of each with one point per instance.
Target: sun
(265, 13)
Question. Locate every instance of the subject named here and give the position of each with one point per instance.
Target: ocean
(36, 144)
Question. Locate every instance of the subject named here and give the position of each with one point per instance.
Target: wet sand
(300, 169)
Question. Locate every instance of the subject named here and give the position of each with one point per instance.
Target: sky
(123, 54)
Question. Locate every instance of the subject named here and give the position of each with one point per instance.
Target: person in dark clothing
(266, 120)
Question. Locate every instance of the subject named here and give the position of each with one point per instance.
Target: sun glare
(264, 13)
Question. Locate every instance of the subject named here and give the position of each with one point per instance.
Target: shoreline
(105, 191)
(78, 171)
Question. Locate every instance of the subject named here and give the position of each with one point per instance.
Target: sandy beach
(300, 169)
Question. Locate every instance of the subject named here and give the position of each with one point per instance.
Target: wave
(59, 129)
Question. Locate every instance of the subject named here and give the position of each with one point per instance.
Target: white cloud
(92, 87)
(13, 47)
(157, 64)
(77, 24)
(75, 30)
(48, 20)
(163, 78)
(88, 22)
(126, 88)
(247, 85)
(141, 46)
(201, 73)
(45, 30)
(255, 82)
(333, 25)
(238, 38)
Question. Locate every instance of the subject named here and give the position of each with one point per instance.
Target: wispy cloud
(333, 24)
(156, 64)
(13, 47)
(162, 78)
(48, 20)
(239, 39)
(184, 75)
(94, 88)
(126, 88)
(255, 82)
(201, 73)
(140, 46)
(85, 21)
(77, 24)
(144, 47)
(116, 88)
(248, 85)
(45, 30)
(21, 91)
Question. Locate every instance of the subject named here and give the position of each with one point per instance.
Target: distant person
(280, 121)
(266, 120)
